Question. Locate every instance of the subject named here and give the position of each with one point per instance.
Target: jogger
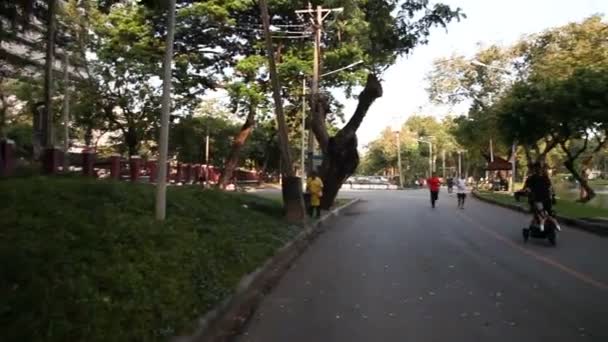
(461, 190)
(434, 185)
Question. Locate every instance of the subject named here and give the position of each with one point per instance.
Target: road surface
(393, 269)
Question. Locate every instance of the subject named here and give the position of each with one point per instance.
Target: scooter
(549, 231)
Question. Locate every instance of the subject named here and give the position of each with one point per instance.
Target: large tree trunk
(237, 146)
(292, 190)
(587, 193)
(340, 157)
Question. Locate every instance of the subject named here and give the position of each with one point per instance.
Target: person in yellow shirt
(314, 186)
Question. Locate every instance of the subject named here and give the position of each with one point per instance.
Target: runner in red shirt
(434, 185)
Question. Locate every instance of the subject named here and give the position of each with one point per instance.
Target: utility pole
(47, 119)
(431, 163)
(399, 159)
(303, 150)
(513, 161)
(317, 16)
(443, 163)
(161, 183)
(66, 112)
(207, 156)
(459, 164)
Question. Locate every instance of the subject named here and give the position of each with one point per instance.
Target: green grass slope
(84, 260)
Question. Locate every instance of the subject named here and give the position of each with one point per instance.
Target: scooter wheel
(526, 234)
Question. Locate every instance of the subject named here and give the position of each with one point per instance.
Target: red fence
(116, 167)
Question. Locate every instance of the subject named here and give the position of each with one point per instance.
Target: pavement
(393, 269)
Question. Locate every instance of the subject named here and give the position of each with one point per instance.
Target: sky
(488, 22)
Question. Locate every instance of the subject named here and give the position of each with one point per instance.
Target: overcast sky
(487, 22)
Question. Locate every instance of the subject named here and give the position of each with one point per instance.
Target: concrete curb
(232, 314)
(575, 223)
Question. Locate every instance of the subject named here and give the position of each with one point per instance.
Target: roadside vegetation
(567, 208)
(84, 260)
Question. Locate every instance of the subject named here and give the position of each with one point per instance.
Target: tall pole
(399, 159)
(459, 164)
(66, 112)
(317, 15)
(431, 159)
(443, 163)
(207, 156)
(316, 71)
(161, 184)
(303, 149)
(513, 161)
(47, 121)
(286, 165)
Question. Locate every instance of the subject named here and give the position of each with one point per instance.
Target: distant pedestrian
(461, 191)
(314, 186)
(434, 184)
(450, 181)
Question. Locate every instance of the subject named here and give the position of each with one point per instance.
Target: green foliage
(21, 134)
(188, 139)
(563, 96)
(381, 156)
(553, 95)
(105, 270)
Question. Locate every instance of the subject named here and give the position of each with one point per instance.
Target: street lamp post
(397, 133)
(460, 152)
(459, 164)
(303, 152)
(443, 163)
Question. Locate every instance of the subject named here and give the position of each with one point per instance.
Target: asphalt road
(393, 269)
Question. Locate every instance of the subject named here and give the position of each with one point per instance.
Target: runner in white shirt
(461, 191)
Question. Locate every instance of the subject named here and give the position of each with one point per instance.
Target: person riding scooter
(539, 189)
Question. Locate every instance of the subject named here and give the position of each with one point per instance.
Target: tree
(571, 111)
(375, 31)
(561, 102)
(458, 79)
(250, 94)
(381, 156)
(386, 37)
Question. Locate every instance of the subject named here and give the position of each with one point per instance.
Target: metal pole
(399, 159)
(513, 161)
(430, 159)
(303, 152)
(161, 185)
(66, 112)
(443, 163)
(207, 156)
(47, 120)
(459, 164)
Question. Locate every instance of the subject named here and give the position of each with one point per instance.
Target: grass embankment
(563, 207)
(84, 260)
